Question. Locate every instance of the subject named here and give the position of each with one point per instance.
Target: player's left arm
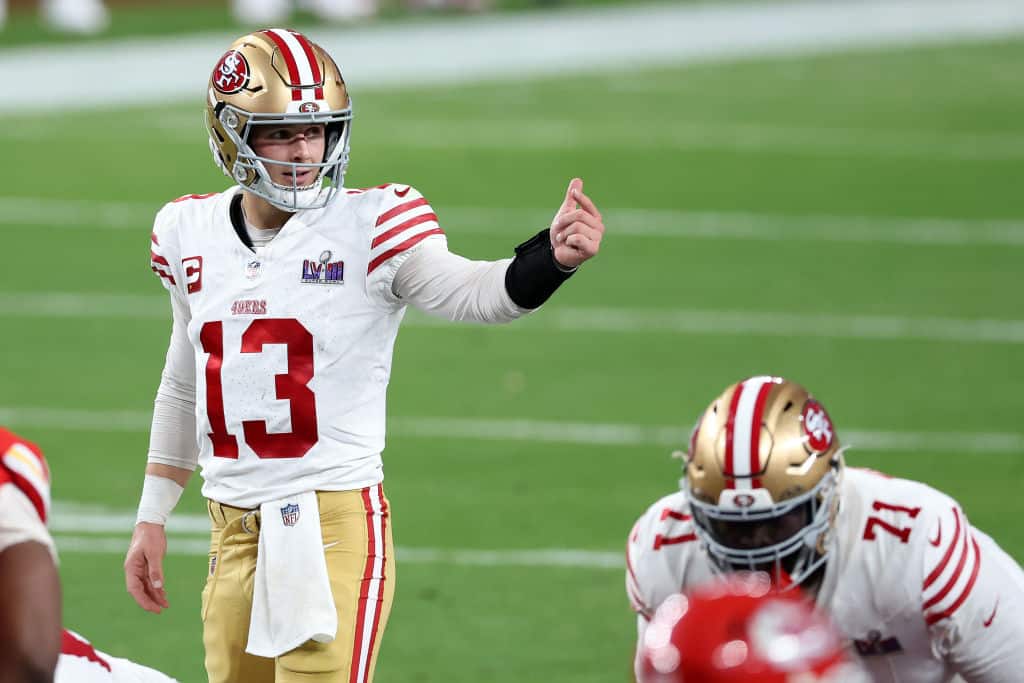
(441, 283)
(973, 601)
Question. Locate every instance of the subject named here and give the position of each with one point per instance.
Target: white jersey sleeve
(402, 220)
(973, 600)
(172, 435)
(164, 259)
(447, 285)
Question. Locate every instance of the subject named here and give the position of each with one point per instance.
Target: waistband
(222, 514)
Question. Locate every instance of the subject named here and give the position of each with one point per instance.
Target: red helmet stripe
(289, 60)
(313, 65)
(755, 432)
(743, 432)
(730, 428)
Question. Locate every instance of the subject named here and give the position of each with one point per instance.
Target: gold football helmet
(278, 76)
(762, 477)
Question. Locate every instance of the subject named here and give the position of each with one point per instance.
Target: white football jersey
(79, 662)
(292, 346)
(921, 595)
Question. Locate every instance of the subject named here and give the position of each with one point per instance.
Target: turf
(926, 133)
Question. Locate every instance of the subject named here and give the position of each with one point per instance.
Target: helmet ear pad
(336, 132)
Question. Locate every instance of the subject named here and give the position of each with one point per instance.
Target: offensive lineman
(920, 593)
(287, 292)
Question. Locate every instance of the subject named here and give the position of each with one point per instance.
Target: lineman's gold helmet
(762, 478)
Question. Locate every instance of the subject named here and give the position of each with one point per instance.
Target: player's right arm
(173, 452)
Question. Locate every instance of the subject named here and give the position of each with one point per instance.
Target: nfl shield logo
(290, 514)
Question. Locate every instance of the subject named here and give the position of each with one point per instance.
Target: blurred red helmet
(739, 631)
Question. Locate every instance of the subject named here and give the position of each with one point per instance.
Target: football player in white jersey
(287, 292)
(919, 593)
(35, 647)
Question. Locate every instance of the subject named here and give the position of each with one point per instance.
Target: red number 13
(291, 386)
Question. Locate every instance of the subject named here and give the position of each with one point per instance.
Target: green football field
(852, 221)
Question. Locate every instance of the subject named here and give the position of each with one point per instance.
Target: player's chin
(302, 180)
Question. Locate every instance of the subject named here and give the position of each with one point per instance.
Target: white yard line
(52, 305)
(37, 212)
(550, 557)
(505, 46)
(460, 132)
(540, 431)
(696, 135)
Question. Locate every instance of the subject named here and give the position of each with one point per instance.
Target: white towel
(291, 598)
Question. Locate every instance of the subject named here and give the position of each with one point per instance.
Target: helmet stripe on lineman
(729, 422)
(742, 452)
(755, 430)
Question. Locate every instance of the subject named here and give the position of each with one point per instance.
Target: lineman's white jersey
(80, 663)
(292, 346)
(921, 595)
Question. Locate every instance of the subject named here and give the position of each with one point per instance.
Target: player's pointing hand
(577, 228)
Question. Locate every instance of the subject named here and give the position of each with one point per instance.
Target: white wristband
(159, 496)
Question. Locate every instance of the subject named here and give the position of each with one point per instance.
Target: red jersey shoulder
(22, 464)
(74, 645)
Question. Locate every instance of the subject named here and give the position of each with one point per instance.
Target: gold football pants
(356, 528)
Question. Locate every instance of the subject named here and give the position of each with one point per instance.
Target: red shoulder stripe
(931, 578)
(408, 244)
(192, 196)
(932, 618)
(402, 227)
(937, 598)
(24, 466)
(400, 209)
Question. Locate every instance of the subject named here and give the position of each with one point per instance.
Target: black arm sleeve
(534, 275)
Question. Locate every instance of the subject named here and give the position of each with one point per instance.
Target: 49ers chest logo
(817, 426)
(231, 73)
